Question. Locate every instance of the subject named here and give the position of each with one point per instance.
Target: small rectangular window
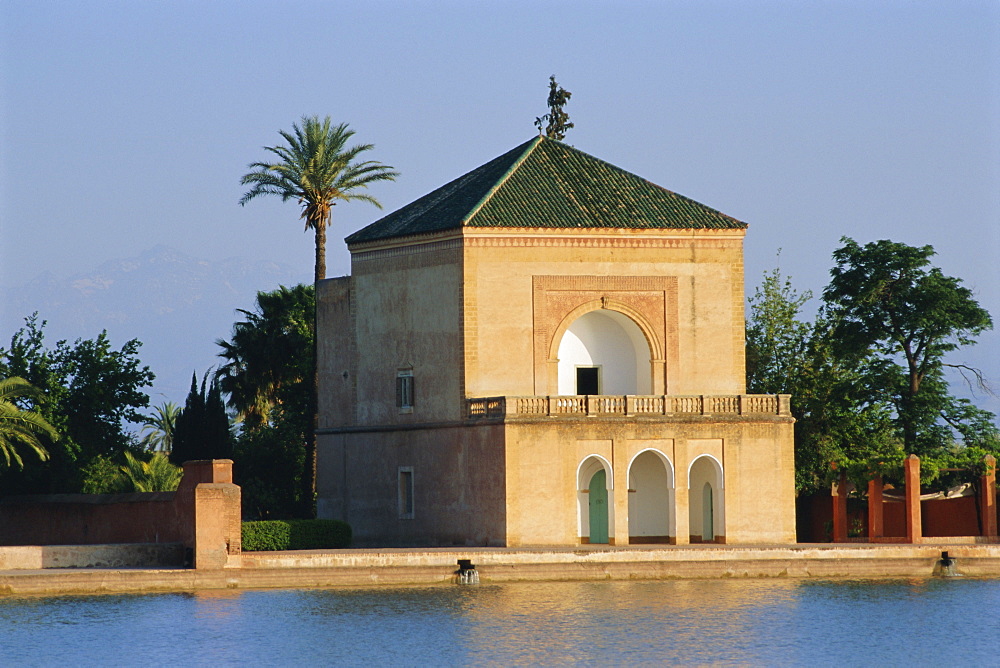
(404, 390)
(406, 492)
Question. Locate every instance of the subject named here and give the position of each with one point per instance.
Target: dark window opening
(588, 380)
(406, 493)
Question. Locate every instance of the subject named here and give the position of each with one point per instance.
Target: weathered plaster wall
(336, 352)
(407, 314)
(458, 485)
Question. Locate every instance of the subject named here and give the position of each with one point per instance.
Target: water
(939, 621)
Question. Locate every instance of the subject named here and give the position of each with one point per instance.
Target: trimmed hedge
(268, 535)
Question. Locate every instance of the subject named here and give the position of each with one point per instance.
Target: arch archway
(706, 501)
(604, 351)
(651, 510)
(595, 500)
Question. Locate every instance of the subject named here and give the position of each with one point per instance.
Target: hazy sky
(128, 124)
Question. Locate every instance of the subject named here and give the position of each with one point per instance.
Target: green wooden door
(599, 508)
(708, 514)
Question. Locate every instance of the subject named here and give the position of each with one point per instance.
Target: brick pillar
(911, 473)
(988, 497)
(839, 492)
(876, 523)
(208, 504)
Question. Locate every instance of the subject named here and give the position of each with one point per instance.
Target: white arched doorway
(706, 501)
(651, 514)
(604, 352)
(595, 500)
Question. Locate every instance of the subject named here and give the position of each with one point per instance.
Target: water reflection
(635, 621)
(758, 622)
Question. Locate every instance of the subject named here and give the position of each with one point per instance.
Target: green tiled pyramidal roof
(544, 183)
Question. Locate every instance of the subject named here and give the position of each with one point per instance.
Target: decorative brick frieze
(599, 242)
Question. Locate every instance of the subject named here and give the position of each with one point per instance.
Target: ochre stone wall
(520, 286)
(543, 485)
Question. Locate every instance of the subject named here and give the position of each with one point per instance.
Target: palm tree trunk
(309, 472)
(320, 251)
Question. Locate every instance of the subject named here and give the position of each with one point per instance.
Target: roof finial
(558, 120)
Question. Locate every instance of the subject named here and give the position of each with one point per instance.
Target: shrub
(268, 535)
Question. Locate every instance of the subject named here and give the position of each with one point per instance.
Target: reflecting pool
(748, 622)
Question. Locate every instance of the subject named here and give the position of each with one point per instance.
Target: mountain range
(175, 304)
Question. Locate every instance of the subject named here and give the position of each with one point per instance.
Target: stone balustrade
(627, 405)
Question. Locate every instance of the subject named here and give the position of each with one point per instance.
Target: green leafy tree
(839, 416)
(91, 391)
(316, 168)
(269, 466)
(20, 427)
(267, 375)
(776, 339)
(886, 298)
(867, 376)
(557, 120)
(202, 428)
(158, 430)
(102, 475)
(842, 415)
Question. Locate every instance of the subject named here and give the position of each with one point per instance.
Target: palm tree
(317, 169)
(19, 427)
(156, 475)
(270, 351)
(159, 428)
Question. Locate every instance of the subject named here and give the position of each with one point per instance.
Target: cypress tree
(202, 430)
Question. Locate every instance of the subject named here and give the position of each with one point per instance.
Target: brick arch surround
(651, 302)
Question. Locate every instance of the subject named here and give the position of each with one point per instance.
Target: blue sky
(126, 125)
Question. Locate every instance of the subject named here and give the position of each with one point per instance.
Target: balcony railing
(628, 405)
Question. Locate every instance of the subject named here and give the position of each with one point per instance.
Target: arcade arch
(595, 503)
(651, 509)
(706, 500)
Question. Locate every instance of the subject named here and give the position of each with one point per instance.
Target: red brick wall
(940, 517)
(82, 519)
(204, 514)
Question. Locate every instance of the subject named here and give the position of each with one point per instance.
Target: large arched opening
(706, 501)
(604, 352)
(651, 514)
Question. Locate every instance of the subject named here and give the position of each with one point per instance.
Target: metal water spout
(467, 573)
(948, 567)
